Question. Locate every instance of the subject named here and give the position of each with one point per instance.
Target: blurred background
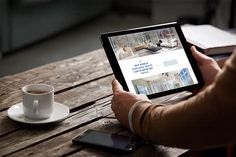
(37, 32)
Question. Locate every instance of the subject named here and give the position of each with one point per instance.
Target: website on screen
(153, 61)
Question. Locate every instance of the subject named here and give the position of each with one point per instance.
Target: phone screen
(109, 140)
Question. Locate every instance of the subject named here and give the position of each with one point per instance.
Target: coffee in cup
(36, 91)
(38, 101)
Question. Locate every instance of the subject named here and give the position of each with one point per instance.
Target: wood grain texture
(31, 135)
(143, 151)
(62, 144)
(74, 98)
(62, 75)
(82, 83)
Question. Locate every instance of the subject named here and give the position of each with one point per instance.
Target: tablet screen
(153, 61)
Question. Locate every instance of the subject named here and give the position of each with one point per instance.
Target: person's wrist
(130, 114)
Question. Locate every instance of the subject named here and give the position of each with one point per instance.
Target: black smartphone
(107, 140)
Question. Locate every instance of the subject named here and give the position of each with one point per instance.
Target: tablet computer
(153, 60)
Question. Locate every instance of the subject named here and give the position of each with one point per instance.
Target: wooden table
(82, 83)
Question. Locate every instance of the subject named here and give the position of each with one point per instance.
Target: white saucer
(60, 112)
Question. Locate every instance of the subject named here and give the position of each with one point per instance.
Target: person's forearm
(205, 120)
(181, 125)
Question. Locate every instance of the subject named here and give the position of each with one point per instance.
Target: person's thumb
(116, 86)
(198, 56)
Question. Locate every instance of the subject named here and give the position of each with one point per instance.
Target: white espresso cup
(38, 101)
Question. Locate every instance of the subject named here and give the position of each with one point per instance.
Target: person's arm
(205, 120)
(200, 122)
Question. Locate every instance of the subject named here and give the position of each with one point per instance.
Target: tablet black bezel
(116, 68)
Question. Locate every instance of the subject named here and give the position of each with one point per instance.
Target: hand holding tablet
(153, 60)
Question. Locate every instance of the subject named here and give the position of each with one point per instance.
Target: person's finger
(116, 86)
(198, 56)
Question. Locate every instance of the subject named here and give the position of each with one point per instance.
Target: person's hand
(208, 66)
(122, 101)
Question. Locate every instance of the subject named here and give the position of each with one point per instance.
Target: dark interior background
(36, 32)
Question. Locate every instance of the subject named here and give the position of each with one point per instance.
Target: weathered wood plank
(86, 90)
(86, 93)
(62, 75)
(74, 99)
(30, 135)
(7, 125)
(62, 144)
(144, 151)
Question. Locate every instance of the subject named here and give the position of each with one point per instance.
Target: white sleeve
(131, 113)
